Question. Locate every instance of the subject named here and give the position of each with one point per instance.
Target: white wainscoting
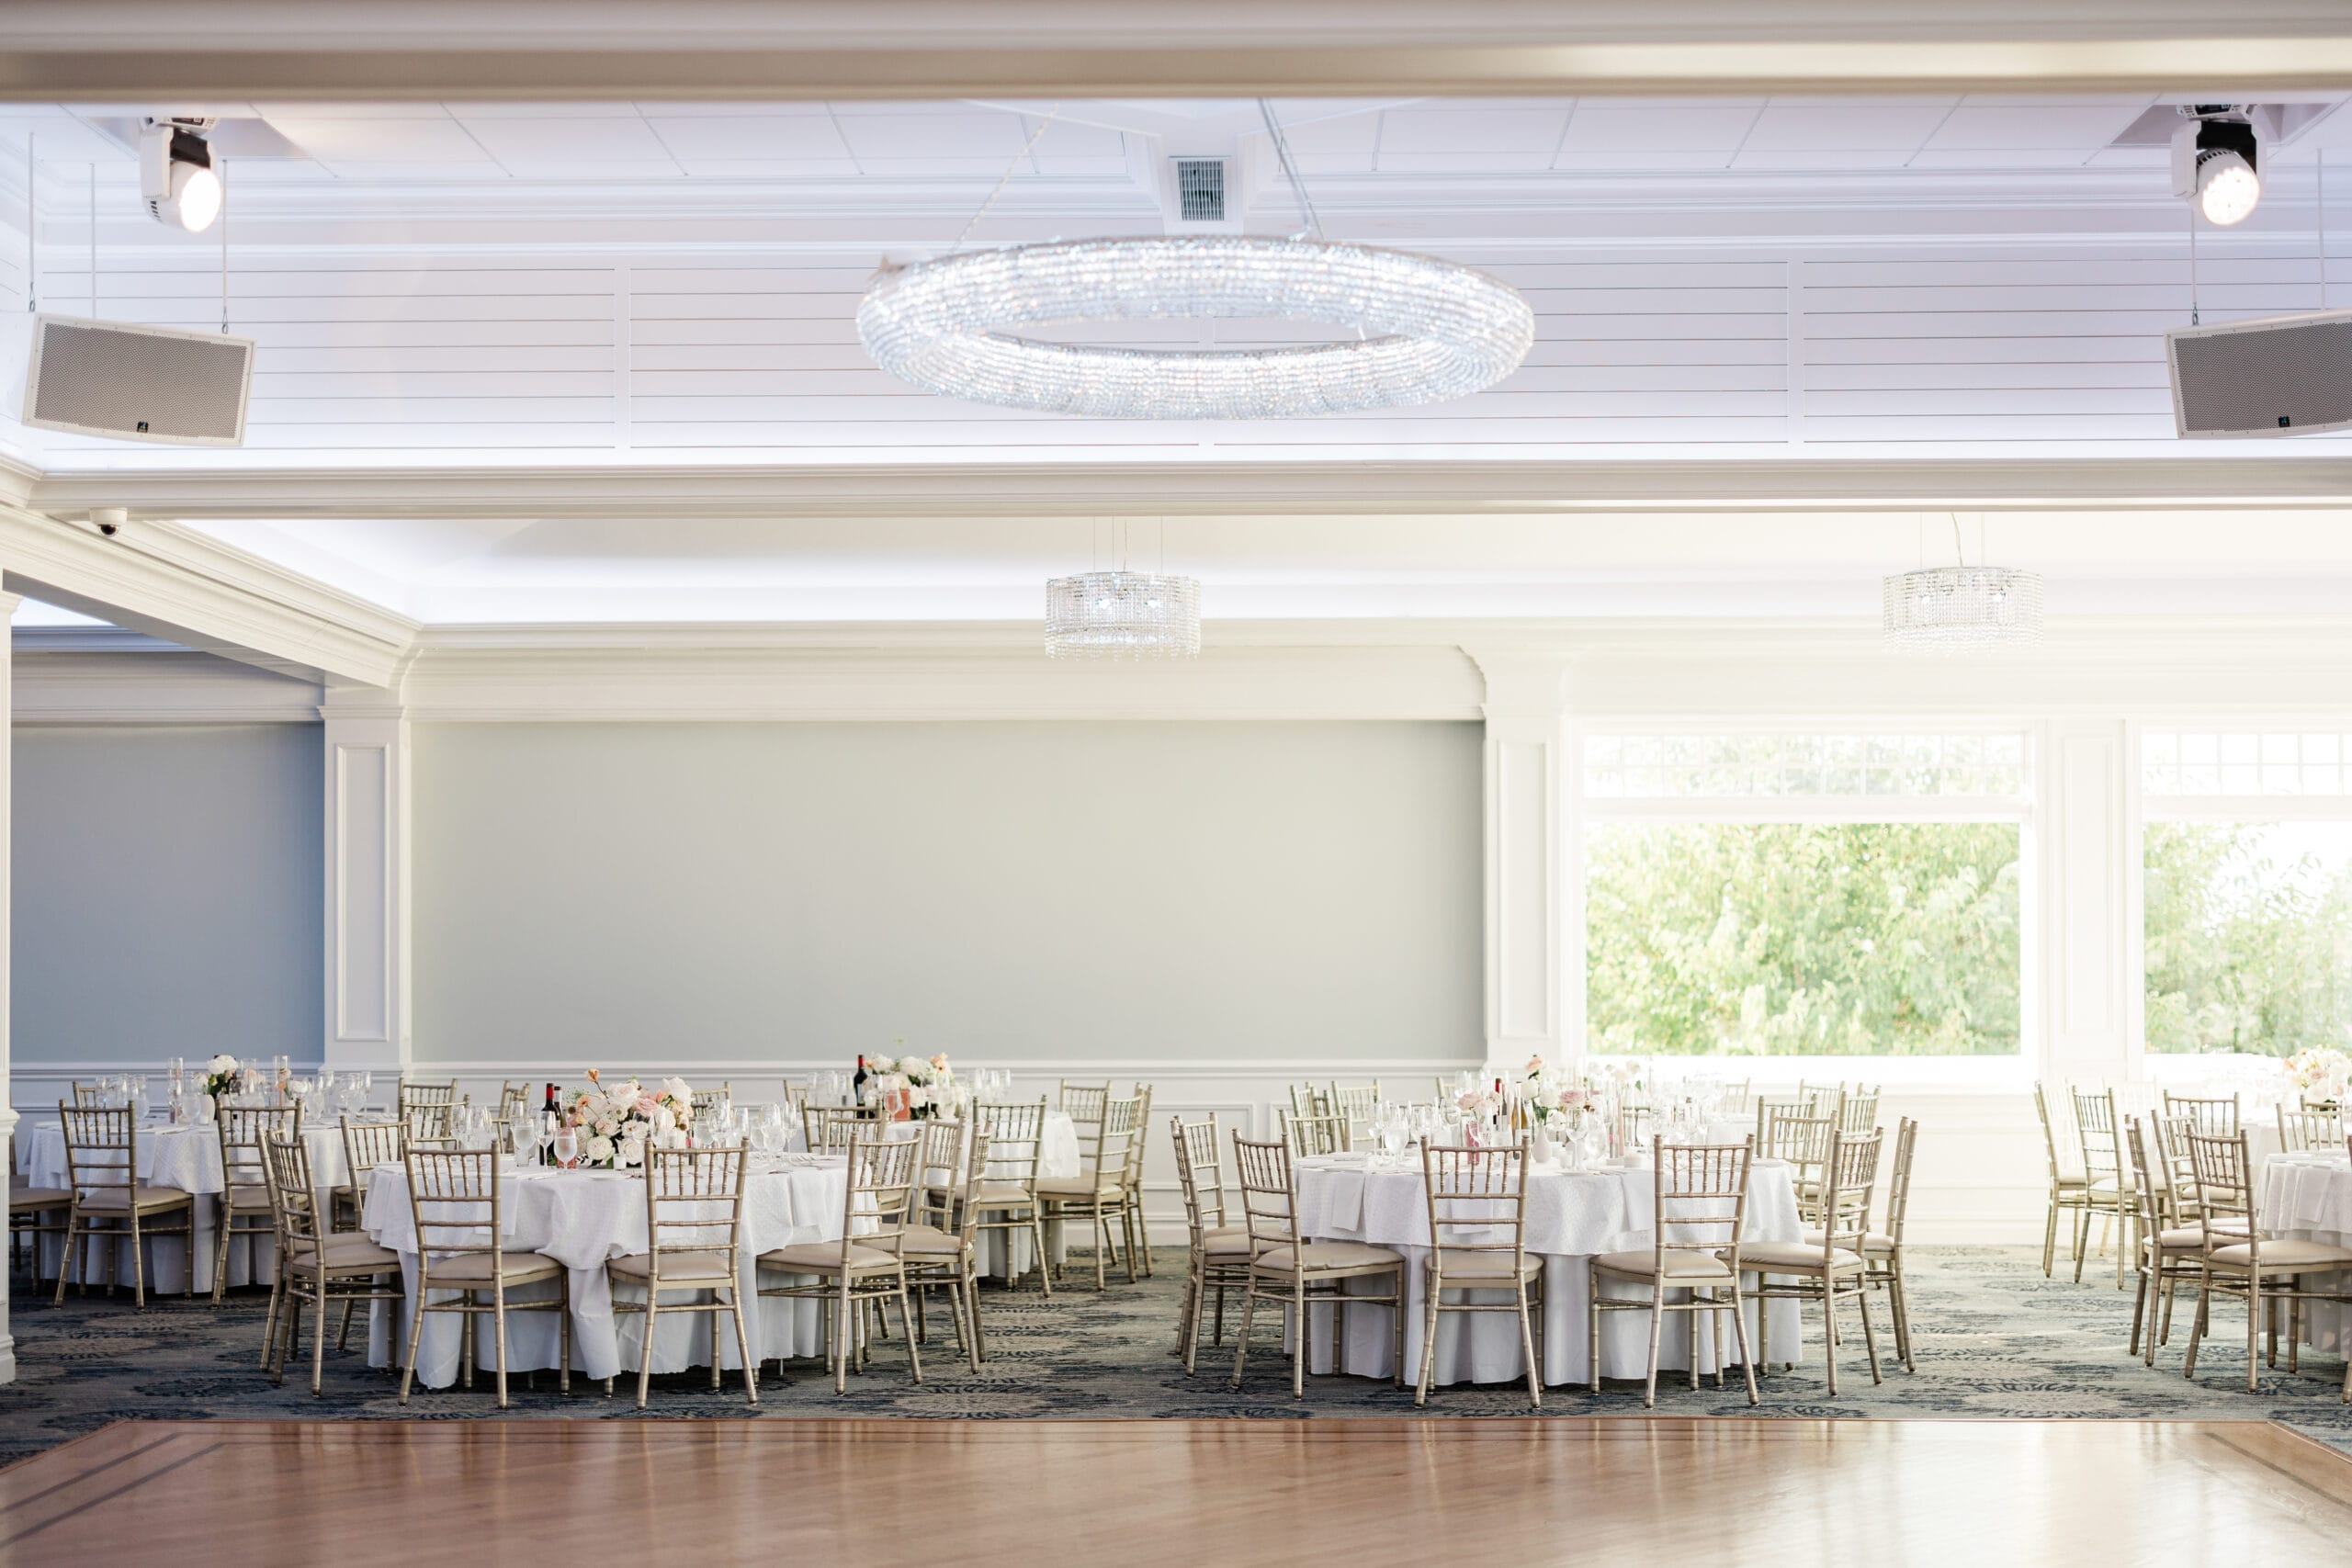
(1979, 1177)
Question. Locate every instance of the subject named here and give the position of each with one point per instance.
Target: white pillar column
(366, 739)
(2089, 965)
(1535, 940)
(8, 603)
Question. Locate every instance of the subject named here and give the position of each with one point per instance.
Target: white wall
(165, 893)
(1113, 896)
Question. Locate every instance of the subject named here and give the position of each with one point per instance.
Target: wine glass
(567, 1145)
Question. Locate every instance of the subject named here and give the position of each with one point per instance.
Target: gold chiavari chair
(34, 1213)
(2304, 1130)
(1882, 1249)
(705, 1100)
(1738, 1097)
(2168, 1256)
(1858, 1110)
(245, 1193)
(1633, 1128)
(317, 1267)
(2209, 1113)
(2095, 1124)
(2069, 1193)
(2238, 1261)
(1098, 1193)
(367, 1145)
(415, 1093)
(942, 1247)
(1083, 1103)
(1139, 1228)
(831, 1128)
(461, 1251)
(1309, 1099)
(88, 1095)
(1803, 1139)
(866, 1265)
(1828, 1264)
(1698, 1234)
(1356, 1103)
(1217, 1251)
(1477, 1209)
(110, 1202)
(2173, 1169)
(1298, 1274)
(1009, 1203)
(1820, 1098)
(1314, 1135)
(694, 1220)
(512, 1095)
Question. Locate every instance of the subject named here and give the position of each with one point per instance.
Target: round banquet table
(2308, 1197)
(186, 1156)
(1571, 1216)
(582, 1219)
(1004, 1255)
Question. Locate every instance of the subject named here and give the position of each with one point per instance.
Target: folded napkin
(1347, 1197)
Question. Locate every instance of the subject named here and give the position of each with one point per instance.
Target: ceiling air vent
(1200, 190)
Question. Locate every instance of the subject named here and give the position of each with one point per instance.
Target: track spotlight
(176, 173)
(2215, 163)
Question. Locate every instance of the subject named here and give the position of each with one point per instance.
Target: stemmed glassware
(567, 1145)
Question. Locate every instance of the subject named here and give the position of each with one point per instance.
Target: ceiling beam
(174, 583)
(1412, 489)
(135, 51)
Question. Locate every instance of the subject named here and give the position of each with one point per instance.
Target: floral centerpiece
(222, 1077)
(925, 1085)
(617, 1122)
(2321, 1073)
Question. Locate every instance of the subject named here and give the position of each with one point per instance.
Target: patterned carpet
(1995, 1339)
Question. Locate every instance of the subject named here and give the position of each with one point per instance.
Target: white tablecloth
(583, 1218)
(2308, 1197)
(1571, 1216)
(186, 1157)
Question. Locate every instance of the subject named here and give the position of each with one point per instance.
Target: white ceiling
(574, 287)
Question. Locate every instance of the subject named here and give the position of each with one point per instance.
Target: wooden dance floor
(1144, 1494)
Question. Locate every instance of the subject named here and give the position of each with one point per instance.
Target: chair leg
(2139, 1316)
(564, 1335)
(219, 1249)
(2050, 1238)
(1870, 1336)
(1038, 1236)
(269, 1322)
(139, 1261)
(2253, 1330)
(844, 1327)
(1593, 1324)
(1242, 1342)
(1740, 1332)
(1302, 1331)
(343, 1337)
(1429, 1338)
(2196, 1328)
(743, 1346)
(645, 1347)
(914, 1354)
(2082, 1239)
(65, 1259)
(1829, 1333)
(415, 1330)
(318, 1332)
(1527, 1343)
(1658, 1330)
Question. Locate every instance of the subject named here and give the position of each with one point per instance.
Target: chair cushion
(2284, 1256)
(677, 1268)
(2187, 1239)
(1462, 1266)
(930, 1243)
(1679, 1266)
(1002, 1194)
(1794, 1258)
(1079, 1186)
(1227, 1241)
(150, 1198)
(1874, 1245)
(825, 1257)
(1331, 1257)
(344, 1249)
(247, 1198)
(32, 1199)
(520, 1268)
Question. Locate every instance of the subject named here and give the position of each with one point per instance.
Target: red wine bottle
(554, 1119)
(857, 1084)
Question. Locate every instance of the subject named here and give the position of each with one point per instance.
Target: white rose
(879, 1064)
(607, 1126)
(632, 1152)
(222, 1064)
(676, 1089)
(599, 1150)
(664, 1119)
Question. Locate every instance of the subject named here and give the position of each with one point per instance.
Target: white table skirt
(1571, 1217)
(186, 1157)
(585, 1218)
(2308, 1197)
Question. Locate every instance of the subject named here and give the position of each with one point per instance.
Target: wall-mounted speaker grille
(2278, 377)
(137, 383)
(1200, 190)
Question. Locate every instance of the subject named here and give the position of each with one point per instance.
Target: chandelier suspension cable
(1006, 178)
(221, 167)
(2321, 169)
(1958, 553)
(2193, 319)
(1290, 172)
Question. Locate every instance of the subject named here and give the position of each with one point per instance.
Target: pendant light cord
(1960, 552)
(222, 169)
(2322, 229)
(1009, 170)
(2193, 318)
(1290, 172)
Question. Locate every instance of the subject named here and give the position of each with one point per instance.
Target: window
(2247, 902)
(1805, 894)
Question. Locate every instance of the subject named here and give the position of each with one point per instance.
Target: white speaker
(137, 383)
(2280, 375)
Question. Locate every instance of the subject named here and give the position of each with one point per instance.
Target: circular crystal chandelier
(1428, 330)
(1122, 614)
(1963, 609)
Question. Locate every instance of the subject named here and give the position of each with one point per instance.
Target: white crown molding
(85, 687)
(1432, 488)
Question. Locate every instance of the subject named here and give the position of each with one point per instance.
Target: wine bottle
(554, 1119)
(857, 1084)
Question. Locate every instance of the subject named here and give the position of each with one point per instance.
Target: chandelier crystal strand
(1963, 609)
(1122, 614)
(1429, 330)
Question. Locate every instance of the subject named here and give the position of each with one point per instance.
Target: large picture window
(1805, 894)
(2247, 875)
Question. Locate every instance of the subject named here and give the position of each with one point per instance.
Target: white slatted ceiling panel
(1946, 349)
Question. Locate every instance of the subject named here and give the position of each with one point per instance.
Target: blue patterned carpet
(1995, 1339)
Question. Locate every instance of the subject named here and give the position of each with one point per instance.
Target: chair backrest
(88, 1093)
(101, 1148)
(1478, 1203)
(1083, 1103)
(1327, 1135)
(831, 1128)
(693, 1203)
(1699, 1200)
(2210, 1112)
(939, 1173)
(431, 1125)
(243, 1130)
(1198, 1174)
(2173, 1168)
(1016, 1135)
(1111, 1144)
(1898, 1185)
(512, 1095)
(1633, 1128)
(2147, 1200)
(415, 1093)
(2049, 1140)
(2302, 1131)
(703, 1100)
(881, 1200)
(1268, 1205)
(1858, 1109)
(454, 1195)
(2096, 1126)
(1820, 1098)
(1786, 1132)
(293, 1200)
(1140, 1148)
(1309, 1099)
(366, 1146)
(1737, 1097)
(1848, 1177)
(1359, 1103)
(2223, 1172)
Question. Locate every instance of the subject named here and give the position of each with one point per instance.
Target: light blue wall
(167, 893)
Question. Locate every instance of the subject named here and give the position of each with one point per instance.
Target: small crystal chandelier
(1962, 609)
(1423, 330)
(1123, 614)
